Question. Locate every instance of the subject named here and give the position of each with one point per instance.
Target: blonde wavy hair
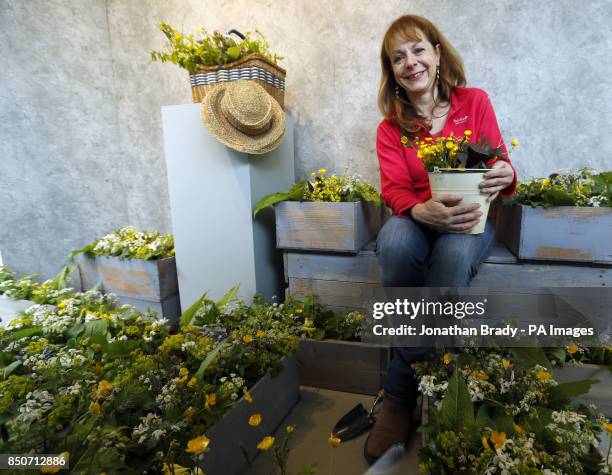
(399, 109)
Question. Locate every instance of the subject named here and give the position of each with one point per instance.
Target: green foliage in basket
(324, 187)
(501, 411)
(129, 243)
(209, 49)
(574, 188)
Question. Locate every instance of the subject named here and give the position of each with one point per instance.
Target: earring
(397, 92)
(437, 74)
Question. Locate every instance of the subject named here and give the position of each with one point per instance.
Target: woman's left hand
(496, 179)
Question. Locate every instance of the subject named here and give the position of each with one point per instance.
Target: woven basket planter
(253, 68)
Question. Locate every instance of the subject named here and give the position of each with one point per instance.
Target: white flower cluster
(428, 386)
(64, 358)
(479, 389)
(149, 428)
(34, 408)
(232, 385)
(568, 417)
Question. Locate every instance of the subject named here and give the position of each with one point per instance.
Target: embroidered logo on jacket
(460, 120)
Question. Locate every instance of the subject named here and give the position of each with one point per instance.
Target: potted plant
(326, 212)
(565, 217)
(138, 266)
(212, 58)
(456, 165)
(112, 390)
(502, 411)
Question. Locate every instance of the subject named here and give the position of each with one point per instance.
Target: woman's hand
(496, 179)
(445, 214)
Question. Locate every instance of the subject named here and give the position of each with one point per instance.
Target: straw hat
(243, 116)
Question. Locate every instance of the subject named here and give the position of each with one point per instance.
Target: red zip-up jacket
(403, 177)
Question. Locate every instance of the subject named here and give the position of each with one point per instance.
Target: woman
(424, 243)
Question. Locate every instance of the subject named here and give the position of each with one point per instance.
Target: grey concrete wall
(82, 153)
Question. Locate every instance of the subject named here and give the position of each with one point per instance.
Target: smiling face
(414, 64)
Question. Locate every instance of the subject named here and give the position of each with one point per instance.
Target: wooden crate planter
(599, 393)
(562, 233)
(334, 227)
(352, 367)
(143, 284)
(273, 398)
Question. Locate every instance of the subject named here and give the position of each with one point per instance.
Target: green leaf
(26, 332)
(228, 297)
(565, 392)
(457, 411)
(210, 357)
(96, 330)
(294, 194)
(188, 314)
(233, 53)
(558, 353)
(6, 371)
(60, 281)
(530, 357)
(309, 469)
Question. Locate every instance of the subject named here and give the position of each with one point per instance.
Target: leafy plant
(326, 188)
(501, 411)
(455, 152)
(206, 49)
(129, 243)
(574, 188)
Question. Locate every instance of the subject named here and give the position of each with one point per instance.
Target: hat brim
(227, 134)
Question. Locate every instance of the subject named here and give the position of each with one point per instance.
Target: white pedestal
(213, 190)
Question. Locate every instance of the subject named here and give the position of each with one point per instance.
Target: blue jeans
(414, 255)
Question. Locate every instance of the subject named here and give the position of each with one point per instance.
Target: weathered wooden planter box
(316, 226)
(352, 367)
(599, 393)
(562, 233)
(143, 284)
(273, 398)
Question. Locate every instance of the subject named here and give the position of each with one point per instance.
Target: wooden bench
(342, 281)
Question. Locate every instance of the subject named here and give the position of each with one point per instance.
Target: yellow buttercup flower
(266, 443)
(518, 429)
(255, 420)
(247, 338)
(608, 427)
(211, 399)
(104, 388)
(95, 407)
(260, 333)
(498, 439)
(506, 363)
(571, 349)
(322, 171)
(404, 139)
(55, 468)
(247, 397)
(290, 429)
(467, 133)
(514, 142)
(197, 445)
(543, 375)
(447, 358)
(183, 372)
(334, 441)
(192, 382)
(485, 443)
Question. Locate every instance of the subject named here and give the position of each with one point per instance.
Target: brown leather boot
(393, 425)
